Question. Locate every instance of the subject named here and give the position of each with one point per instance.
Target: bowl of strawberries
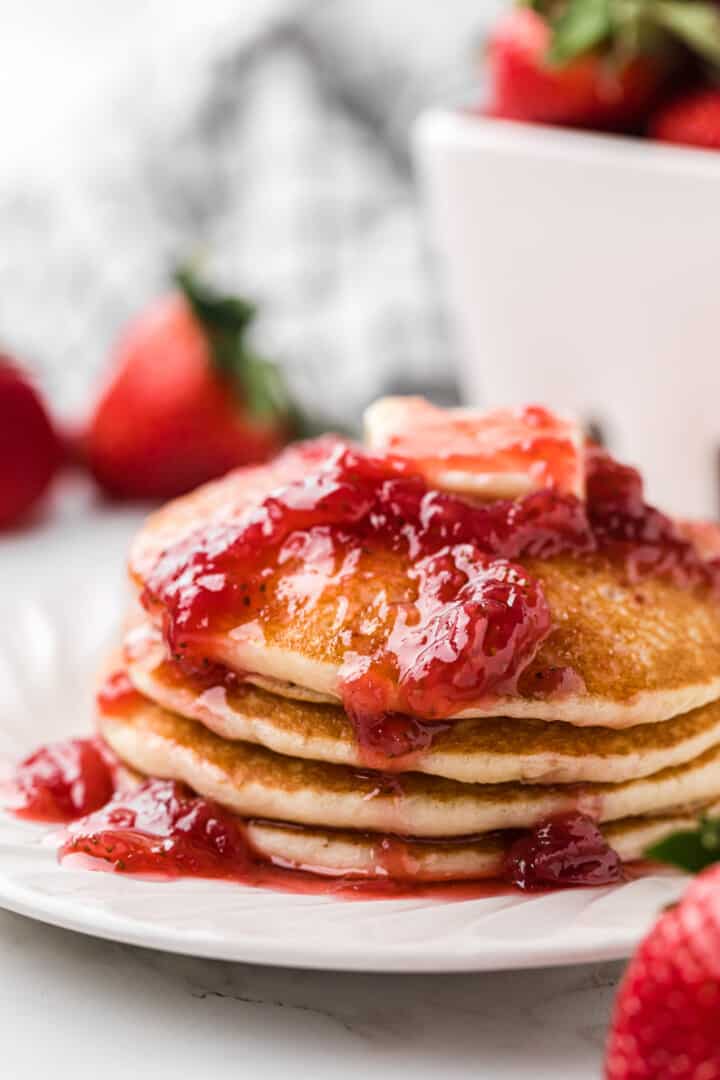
(574, 207)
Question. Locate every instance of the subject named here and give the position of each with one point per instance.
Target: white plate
(62, 595)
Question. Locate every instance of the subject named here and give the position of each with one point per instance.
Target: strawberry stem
(661, 29)
(258, 381)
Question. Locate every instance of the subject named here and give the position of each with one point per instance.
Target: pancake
(488, 751)
(255, 782)
(341, 852)
(643, 653)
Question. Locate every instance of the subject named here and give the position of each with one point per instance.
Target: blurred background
(270, 137)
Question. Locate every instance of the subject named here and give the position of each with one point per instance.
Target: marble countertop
(76, 1006)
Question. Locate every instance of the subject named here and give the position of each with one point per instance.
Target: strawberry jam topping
(387, 736)
(473, 619)
(567, 849)
(163, 830)
(383, 739)
(644, 539)
(63, 781)
(162, 827)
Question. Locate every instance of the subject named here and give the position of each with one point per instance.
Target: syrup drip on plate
(163, 830)
(473, 626)
(62, 781)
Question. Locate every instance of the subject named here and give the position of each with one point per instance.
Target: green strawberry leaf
(694, 22)
(582, 26)
(266, 393)
(258, 382)
(621, 29)
(228, 314)
(690, 849)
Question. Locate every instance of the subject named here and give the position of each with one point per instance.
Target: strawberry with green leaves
(187, 400)
(598, 64)
(666, 1020)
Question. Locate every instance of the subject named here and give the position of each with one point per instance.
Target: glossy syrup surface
(161, 828)
(475, 618)
(62, 781)
(166, 833)
(567, 849)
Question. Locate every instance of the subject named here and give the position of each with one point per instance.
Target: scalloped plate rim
(265, 951)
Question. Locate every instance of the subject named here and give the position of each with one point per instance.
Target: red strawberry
(187, 400)
(585, 91)
(692, 119)
(30, 449)
(666, 1023)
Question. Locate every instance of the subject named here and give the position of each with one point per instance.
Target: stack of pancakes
(634, 743)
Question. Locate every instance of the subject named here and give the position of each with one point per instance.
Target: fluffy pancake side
(255, 782)
(341, 852)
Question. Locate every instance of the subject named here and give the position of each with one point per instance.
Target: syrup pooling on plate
(68, 779)
(163, 828)
(165, 831)
(473, 618)
(63, 781)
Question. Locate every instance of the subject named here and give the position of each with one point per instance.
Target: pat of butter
(503, 453)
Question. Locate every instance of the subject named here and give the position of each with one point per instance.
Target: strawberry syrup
(161, 829)
(567, 849)
(473, 624)
(62, 781)
(473, 619)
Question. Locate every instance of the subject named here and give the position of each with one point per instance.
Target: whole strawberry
(692, 119)
(528, 83)
(666, 1022)
(30, 449)
(187, 399)
(601, 65)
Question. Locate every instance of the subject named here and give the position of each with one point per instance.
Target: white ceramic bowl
(584, 272)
